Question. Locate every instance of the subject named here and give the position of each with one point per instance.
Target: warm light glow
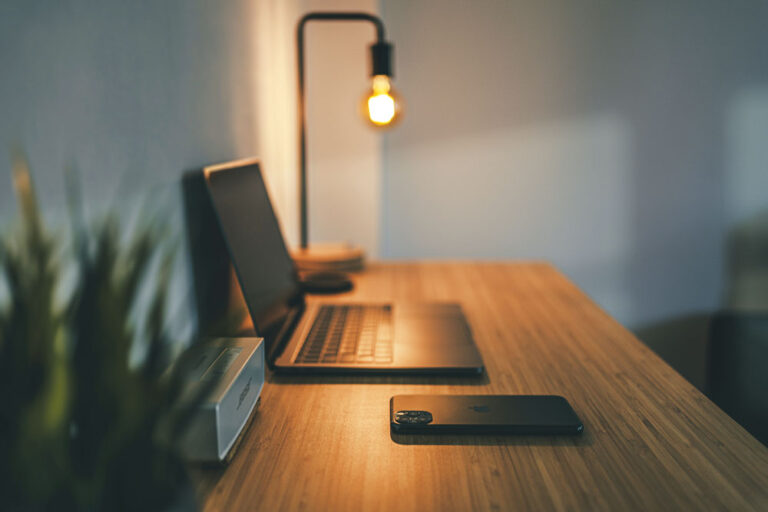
(381, 108)
(381, 103)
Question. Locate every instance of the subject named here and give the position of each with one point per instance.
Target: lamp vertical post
(381, 65)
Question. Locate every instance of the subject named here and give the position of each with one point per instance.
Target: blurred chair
(738, 369)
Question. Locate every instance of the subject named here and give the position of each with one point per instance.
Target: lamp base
(338, 257)
(325, 282)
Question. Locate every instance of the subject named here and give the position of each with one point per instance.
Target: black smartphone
(483, 414)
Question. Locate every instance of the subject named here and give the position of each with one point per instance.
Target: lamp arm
(343, 16)
(384, 65)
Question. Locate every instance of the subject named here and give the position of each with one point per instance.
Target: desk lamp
(381, 108)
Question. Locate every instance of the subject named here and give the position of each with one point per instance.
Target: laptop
(326, 337)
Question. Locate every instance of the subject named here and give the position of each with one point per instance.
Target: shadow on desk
(360, 378)
(585, 439)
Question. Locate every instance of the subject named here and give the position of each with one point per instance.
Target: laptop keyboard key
(349, 334)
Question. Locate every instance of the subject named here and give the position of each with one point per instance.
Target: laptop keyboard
(349, 334)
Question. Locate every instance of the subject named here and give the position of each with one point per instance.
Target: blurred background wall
(130, 93)
(624, 141)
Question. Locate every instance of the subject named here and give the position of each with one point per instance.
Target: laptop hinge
(286, 331)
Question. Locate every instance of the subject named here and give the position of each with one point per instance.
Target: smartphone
(483, 414)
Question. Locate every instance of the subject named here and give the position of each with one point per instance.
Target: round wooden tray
(330, 256)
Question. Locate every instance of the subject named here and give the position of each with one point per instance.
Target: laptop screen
(264, 268)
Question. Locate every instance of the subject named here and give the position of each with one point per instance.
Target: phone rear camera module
(413, 417)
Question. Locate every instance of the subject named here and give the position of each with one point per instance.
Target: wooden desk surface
(651, 441)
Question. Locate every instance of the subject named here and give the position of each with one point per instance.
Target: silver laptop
(384, 337)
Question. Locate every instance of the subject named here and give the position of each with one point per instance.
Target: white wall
(129, 93)
(612, 138)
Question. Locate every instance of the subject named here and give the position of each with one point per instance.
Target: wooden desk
(651, 440)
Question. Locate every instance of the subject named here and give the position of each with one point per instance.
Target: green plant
(80, 428)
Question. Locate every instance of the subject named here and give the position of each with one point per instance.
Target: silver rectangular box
(229, 372)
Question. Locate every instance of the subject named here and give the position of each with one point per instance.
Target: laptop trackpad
(437, 331)
(439, 340)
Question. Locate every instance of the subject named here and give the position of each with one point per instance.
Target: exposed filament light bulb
(381, 105)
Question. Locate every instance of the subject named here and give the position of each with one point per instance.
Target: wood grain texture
(651, 440)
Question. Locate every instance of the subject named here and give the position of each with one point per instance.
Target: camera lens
(413, 417)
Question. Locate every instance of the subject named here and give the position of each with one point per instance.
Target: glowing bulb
(381, 108)
(381, 104)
